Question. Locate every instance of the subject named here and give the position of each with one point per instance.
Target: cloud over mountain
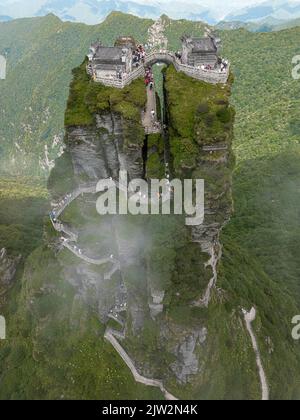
(212, 11)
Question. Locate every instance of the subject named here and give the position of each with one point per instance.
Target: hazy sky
(215, 4)
(18, 8)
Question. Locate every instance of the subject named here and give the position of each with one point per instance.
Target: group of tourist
(155, 123)
(62, 203)
(75, 248)
(53, 216)
(222, 66)
(207, 67)
(59, 227)
(138, 56)
(178, 55)
(149, 82)
(149, 79)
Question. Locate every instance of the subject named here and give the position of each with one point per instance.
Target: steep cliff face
(104, 130)
(65, 302)
(104, 135)
(101, 151)
(153, 300)
(201, 132)
(166, 279)
(182, 262)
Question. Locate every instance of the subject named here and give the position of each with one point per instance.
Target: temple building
(126, 61)
(197, 52)
(110, 62)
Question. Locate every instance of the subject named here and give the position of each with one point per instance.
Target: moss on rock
(87, 98)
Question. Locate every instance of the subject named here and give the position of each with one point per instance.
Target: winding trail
(69, 243)
(62, 228)
(66, 201)
(249, 318)
(101, 261)
(109, 336)
(73, 237)
(112, 335)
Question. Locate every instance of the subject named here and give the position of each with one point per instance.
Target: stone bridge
(166, 57)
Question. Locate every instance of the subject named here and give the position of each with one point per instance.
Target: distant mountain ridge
(95, 11)
(278, 10)
(265, 25)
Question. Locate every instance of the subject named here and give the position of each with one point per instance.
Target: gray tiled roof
(203, 45)
(108, 54)
(200, 44)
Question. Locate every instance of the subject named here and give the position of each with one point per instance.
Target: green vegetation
(245, 283)
(265, 95)
(261, 258)
(264, 228)
(23, 204)
(40, 62)
(87, 98)
(155, 168)
(266, 210)
(56, 344)
(176, 29)
(199, 114)
(61, 178)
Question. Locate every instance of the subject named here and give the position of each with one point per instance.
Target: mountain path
(249, 319)
(109, 336)
(149, 121)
